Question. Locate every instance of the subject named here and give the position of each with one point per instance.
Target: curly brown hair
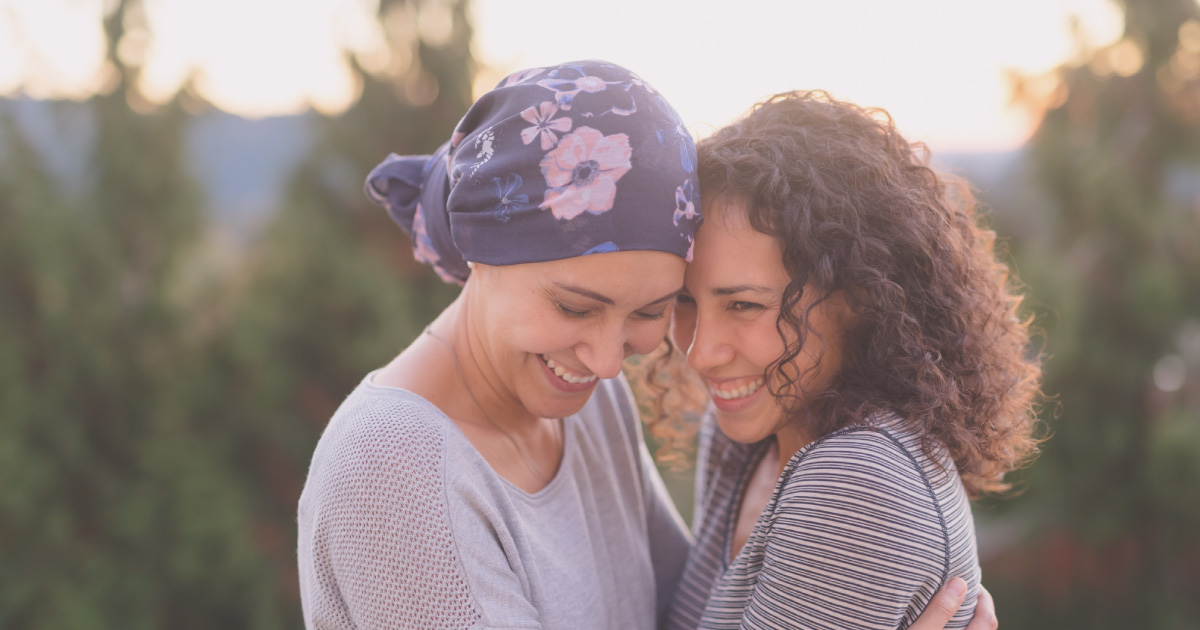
(856, 208)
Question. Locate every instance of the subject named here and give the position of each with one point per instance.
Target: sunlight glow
(254, 58)
(261, 58)
(940, 67)
(57, 47)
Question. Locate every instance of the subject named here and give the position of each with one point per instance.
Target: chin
(743, 430)
(751, 424)
(543, 400)
(547, 396)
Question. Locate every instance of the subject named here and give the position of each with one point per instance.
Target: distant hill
(244, 164)
(987, 170)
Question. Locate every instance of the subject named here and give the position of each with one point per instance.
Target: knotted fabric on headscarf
(557, 162)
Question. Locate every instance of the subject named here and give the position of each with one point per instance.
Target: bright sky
(939, 66)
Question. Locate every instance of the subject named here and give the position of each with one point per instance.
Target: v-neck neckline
(757, 452)
(569, 440)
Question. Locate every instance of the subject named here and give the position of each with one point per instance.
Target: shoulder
(864, 502)
(382, 456)
(382, 432)
(869, 482)
(374, 529)
(873, 451)
(868, 456)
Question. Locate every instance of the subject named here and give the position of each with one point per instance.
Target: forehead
(730, 251)
(619, 276)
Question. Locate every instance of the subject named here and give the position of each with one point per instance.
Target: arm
(856, 540)
(947, 602)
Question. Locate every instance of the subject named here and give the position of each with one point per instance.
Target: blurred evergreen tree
(332, 291)
(92, 371)
(157, 415)
(1114, 269)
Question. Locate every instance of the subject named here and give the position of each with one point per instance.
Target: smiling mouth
(737, 392)
(565, 374)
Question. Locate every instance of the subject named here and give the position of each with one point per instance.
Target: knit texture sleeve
(857, 539)
(376, 545)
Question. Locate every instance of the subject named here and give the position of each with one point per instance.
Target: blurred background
(191, 279)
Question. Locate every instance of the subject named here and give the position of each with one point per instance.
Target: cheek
(552, 335)
(761, 343)
(521, 328)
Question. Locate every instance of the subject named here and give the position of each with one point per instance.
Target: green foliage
(159, 402)
(158, 412)
(1113, 529)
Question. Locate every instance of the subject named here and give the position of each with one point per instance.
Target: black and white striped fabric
(861, 530)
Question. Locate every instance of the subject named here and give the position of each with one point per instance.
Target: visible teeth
(562, 373)
(738, 392)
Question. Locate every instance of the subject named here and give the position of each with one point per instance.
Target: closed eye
(570, 312)
(739, 305)
(650, 316)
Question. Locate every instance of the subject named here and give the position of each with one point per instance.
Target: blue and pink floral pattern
(570, 160)
(583, 172)
(508, 199)
(544, 125)
(565, 90)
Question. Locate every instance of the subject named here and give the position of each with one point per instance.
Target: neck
(789, 440)
(478, 373)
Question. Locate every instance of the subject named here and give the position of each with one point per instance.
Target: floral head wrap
(575, 159)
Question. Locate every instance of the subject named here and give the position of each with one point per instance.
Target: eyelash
(574, 314)
(570, 312)
(744, 306)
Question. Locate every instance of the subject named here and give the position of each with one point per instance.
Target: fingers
(943, 606)
(985, 612)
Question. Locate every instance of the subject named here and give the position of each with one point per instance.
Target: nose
(710, 347)
(604, 352)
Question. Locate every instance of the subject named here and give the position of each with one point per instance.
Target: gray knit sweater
(402, 524)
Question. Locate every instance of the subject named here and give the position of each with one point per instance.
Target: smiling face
(549, 331)
(727, 320)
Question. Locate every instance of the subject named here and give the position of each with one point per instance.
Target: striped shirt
(861, 531)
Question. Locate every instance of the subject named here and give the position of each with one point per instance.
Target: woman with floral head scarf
(493, 474)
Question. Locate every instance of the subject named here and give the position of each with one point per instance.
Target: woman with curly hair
(867, 368)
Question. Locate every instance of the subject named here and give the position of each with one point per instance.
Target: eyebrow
(607, 300)
(740, 288)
